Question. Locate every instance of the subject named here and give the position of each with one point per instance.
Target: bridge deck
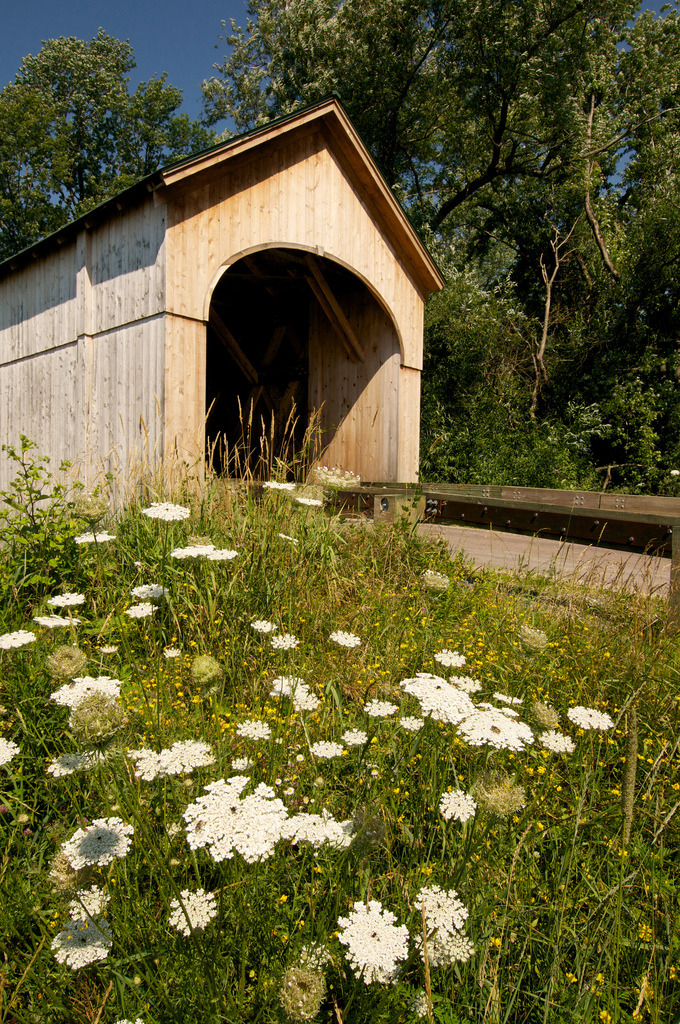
(592, 566)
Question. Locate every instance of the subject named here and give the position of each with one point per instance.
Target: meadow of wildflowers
(249, 781)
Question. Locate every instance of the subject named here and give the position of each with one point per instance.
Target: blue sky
(176, 36)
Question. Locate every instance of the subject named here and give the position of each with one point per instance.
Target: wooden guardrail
(631, 522)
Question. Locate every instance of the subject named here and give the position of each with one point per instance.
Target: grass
(569, 922)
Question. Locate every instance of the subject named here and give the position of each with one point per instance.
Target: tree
(452, 97)
(535, 143)
(71, 134)
(26, 208)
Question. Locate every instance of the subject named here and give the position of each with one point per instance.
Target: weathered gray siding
(82, 369)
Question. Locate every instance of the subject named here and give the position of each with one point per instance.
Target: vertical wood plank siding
(82, 358)
(358, 400)
(297, 194)
(103, 335)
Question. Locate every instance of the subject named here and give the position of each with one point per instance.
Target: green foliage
(37, 527)
(536, 147)
(475, 424)
(460, 96)
(71, 134)
(568, 921)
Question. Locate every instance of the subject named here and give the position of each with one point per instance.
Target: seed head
(206, 670)
(92, 508)
(532, 639)
(65, 662)
(68, 879)
(369, 832)
(302, 993)
(96, 718)
(499, 795)
(544, 715)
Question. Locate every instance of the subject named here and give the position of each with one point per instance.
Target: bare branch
(590, 215)
(557, 244)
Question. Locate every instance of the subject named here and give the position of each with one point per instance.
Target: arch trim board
(316, 250)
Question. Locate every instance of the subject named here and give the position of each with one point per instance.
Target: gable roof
(327, 116)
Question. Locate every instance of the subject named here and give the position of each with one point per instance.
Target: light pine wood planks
(299, 196)
(103, 335)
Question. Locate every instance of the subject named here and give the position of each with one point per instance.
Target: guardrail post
(388, 508)
(674, 591)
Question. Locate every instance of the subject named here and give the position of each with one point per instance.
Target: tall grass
(572, 896)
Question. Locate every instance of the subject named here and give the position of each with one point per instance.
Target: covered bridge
(275, 268)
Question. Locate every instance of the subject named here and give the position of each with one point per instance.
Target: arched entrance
(290, 333)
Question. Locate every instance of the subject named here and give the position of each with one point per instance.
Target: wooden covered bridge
(275, 268)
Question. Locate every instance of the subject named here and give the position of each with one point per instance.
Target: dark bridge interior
(258, 348)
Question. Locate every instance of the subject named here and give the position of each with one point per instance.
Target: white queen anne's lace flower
(326, 750)
(149, 592)
(227, 823)
(444, 948)
(445, 917)
(418, 1005)
(67, 764)
(19, 638)
(310, 502)
(263, 626)
(253, 729)
(492, 728)
(589, 718)
(411, 723)
(276, 485)
(141, 611)
(450, 659)
(557, 742)
(69, 600)
(319, 830)
(93, 538)
(8, 750)
(336, 477)
(438, 699)
(99, 843)
(83, 941)
(193, 551)
(165, 510)
(355, 738)
(298, 691)
(171, 652)
(181, 757)
(284, 642)
(193, 911)
(346, 639)
(380, 708)
(375, 943)
(222, 555)
(286, 686)
(466, 683)
(70, 694)
(90, 902)
(56, 621)
(443, 909)
(459, 806)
